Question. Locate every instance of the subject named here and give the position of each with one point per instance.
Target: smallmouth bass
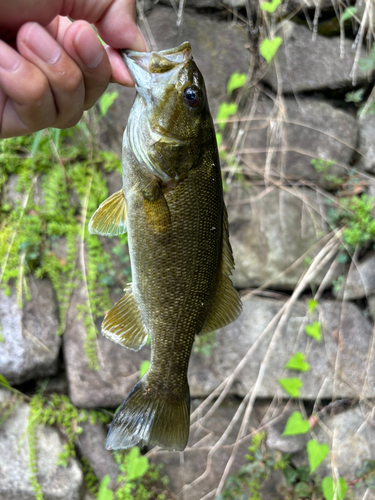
(171, 205)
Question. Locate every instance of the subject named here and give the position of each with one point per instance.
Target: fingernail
(42, 44)
(88, 47)
(9, 58)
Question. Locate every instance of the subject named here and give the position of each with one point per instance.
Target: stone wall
(287, 251)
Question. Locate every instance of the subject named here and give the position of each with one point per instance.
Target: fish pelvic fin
(227, 305)
(110, 218)
(151, 418)
(123, 324)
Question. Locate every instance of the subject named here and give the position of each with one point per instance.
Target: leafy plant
(268, 48)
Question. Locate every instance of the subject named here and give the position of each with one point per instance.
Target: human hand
(51, 69)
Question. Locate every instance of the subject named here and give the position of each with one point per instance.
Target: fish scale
(172, 205)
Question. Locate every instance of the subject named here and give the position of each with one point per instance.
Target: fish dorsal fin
(123, 323)
(226, 306)
(110, 218)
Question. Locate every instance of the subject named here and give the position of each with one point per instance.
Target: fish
(171, 205)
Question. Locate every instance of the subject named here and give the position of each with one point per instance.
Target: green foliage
(270, 6)
(91, 481)
(143, 368)
(356, 96)
(104, 493)
(138, 479)
(366, 474)
(226, 109)
(203, 344)
(296, 425)
(297, 362)
(291, 385)
(348, 14)
(314, 331)
(260, 462)
(268, 48)
(333, 490)
(368, 63)
(42, 229)
(316, 453)
(359, 221)
(236, 81)
(106, 100)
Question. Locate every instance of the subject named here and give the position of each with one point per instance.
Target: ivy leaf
(356, 96)
(104, 493)
(291, 385)
(4, 382)
(348, 13)
(236, 81)
(313, 330)
(268, 48)
(311, 304)
(270, 6)
(143, 367)
(136, 466)
(368, 63)
(224, 112)
(297, 362)
(106, 101)
(296, 425)
(316, 453)
(329, 487)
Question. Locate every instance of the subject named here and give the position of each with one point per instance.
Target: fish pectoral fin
(110, 218)
(123, 323)
(227, 305)
(157, 213)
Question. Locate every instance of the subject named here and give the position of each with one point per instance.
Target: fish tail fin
(152, 418)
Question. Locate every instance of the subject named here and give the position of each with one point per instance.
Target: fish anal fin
(227, 305)
(110, 218)
(123, 323)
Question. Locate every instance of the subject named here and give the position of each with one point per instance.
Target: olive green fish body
(172, 205)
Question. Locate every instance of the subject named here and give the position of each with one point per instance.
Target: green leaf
(368, 63)
(219, 138)
(329, 488)
(313, 330)
(297, 362)
(136, 466)
(296, 425)
(268, 48)
(311, 304)
(106, 101)
(316, 453)
(236, 81)
(36, 141)
(143, 368)
(270, 6)
(291, 385)
(4, 382)
(348, 13)
(104, 493)
(224, 112)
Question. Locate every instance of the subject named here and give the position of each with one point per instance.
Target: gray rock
(58, 483)
(371, 305)
(336, 364)
(91, 444)
(360, 281)
(366, 146)
(351, 437)
(270, 229)
(31, 345)
(118, 370)
(302, 67)
(304, 130)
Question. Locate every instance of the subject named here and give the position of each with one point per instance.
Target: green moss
(47, 238)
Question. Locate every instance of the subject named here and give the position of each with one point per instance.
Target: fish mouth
(142, 65)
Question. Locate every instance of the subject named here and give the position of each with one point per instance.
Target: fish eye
(191, 96)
